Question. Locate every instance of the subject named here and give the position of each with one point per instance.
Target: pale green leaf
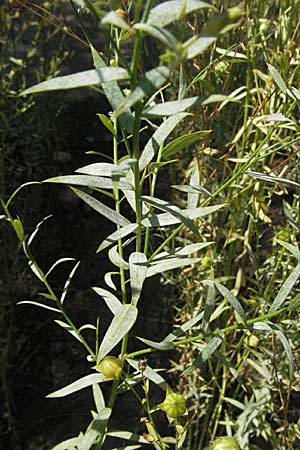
(98, 169)
(163, 346)
(69, 444)
(173, 210)
(170, 11)
(167, 38)
(89, 181)
(277, 78)
(77, 385)
(149, 373)
(95, 428)
(232, 300)
(138, 272)
(128, 436)
(207, 351)
(113, 18)
(68, 328)
(171, 108)
(107, 123)
(152, 80)
(59, 261)
(110, 299)
(180, 331)
(199, 45)
(119, 234)
(182, 142)
(116, 259)
(98, 398)
(170, 264)
(180, 251)
(37, 229)
(286, 288)
(104, 210)
(193, 196)
(113, 92)
(78, 80)
(40, 305)
(158, 138)
(68, 282)
(291, 248)
(165, 219)
(119, 327)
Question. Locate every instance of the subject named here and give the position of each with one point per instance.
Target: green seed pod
(174, 404)
(110, 367)
(225, 443)
(253, 341)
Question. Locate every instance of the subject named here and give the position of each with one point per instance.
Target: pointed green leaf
(113, 92)
(119, 234)
(286, 288)
(149, 373)
(180, 251)
(170, 11)
(110, 299)
(152, 80)
(107, 123)
(40, 305)
(182, 142)
(98, 169)
(128, 436)
(118, 328)
(82, 383)
(116, 259)
(209, 306)
(68, 328)
(69, 444)
(113, 18)
(138, 272)
(291, 248)
(163, 346)
(207, 351)
(68, 282)
(198, 46)
(98, 398)
(167, 38)
(193, 196)
(173, 210)
(95, 428)
(170, 264)
(162, 220)
(59, 261)
(171, 108)
(89, 181)
(78, 80)
(158, 138)
(37, 229)
(104, 210)
(232, 300)
(277, 78)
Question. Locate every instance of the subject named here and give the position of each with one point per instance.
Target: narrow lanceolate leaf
(104, 210)
(286, 289)
(138, 272)
(89, 181)
(113, 93)
(68, 282)
(167, 38)
(232, 300)
(170, 264)
(119, 234)
(82, 383)
(277, 78)
(95, 428)
(152, 80)
(209, 306)
(119, 327)
(110, 299)
(149, 373)
(172, 107)
(117, 259)
(193, 195)
(69, 444)
(194, 47)
(59, 261)
(98, 169)
(271, 179)
(291, 248)
(40, 305)
(113, 18)
(170, 11)
(78, 80)
(182, 142)
(163, 346)
(128, 436)
(178, 332)
(173, 210)
(165, 219)
(180, 251)
(207, 351)
(98, 397)
(158, 138)
(106, 121)
(68, 328)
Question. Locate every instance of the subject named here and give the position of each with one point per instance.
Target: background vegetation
(245, 385)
